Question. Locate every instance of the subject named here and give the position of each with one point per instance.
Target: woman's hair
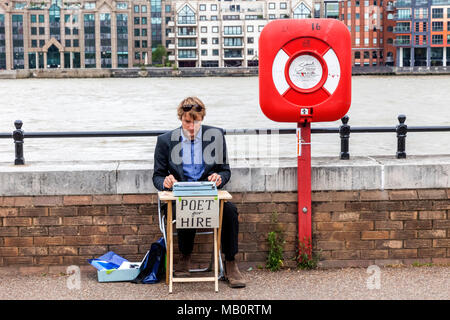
(192, 101)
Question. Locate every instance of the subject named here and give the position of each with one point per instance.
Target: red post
(304, 182)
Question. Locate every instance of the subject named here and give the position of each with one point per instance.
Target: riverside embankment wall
(370, 210)
(153, 72)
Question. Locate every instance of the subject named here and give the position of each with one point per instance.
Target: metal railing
(344, 132)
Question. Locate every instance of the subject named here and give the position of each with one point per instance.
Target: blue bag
(152, 269)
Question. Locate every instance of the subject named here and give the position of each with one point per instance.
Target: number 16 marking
(317, 26)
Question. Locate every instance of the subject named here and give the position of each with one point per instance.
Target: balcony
(170, 24)
(230, 46)
(171, 35)
(235, 54)
(390, 8)
(402, 42)
(187, 35)
(240, 35)
(186, 58)
(171, 46)
(402, 29)
(186, 22)
(402, 17)
(402, 4)
(171, 58)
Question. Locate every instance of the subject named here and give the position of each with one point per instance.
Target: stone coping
(248, 175)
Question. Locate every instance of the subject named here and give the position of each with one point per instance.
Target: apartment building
(78, 33)
(422, 32)
(225, 33)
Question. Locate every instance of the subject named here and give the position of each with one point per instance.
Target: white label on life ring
(334, 71)
(305, 71)
(278, 72)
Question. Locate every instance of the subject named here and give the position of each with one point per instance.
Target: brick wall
(351, 228)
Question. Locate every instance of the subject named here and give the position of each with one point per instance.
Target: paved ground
(355, 283)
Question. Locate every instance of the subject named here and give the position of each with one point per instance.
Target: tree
(159, 54)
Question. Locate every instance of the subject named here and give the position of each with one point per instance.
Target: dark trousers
(229, 237)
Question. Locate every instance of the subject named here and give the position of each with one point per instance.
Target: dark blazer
(167, 157)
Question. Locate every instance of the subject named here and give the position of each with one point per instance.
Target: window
(232, 30)
(366, 54)
(214, 7)
(187, 53)
(357, 55)
(121, 5)
(437, 39)
(202, 18)
(404, 13)
(250, 40)
(137, 44)
(448, 25)
(232, 42)
(204, 41)
(437, 13)
(68, 43)
(136, 9)
(215, 52)
(249, 28)
(204, 29)
(215, 40)
(213, 18)
(144, 44)
(260, 28)
(283, 5)
(302, 12)
(204, 52)
(144, 20)
(41, 30)
(437, 26)
(33, 18)
(202, 7)
(33, 31)
(34, 43)
(89, 5)
(41, 18)
(250, 51)
(143, 9)
(144, 32)
(357, 41)
(186, 42)
(136, 20)
(271, 16)
(366, 41)
(75, 43)
(186, 16)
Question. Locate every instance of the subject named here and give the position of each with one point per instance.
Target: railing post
(344, 133)
(401, 129)
(18, 142)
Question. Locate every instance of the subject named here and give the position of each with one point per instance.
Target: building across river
(209, 33)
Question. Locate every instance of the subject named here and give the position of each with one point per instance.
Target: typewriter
(197, 188)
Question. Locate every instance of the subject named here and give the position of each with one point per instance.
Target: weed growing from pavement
(306, 258)
(276, 242)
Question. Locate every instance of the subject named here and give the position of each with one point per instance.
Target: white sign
(305, 71)
(197, 212)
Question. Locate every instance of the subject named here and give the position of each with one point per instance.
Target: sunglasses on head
(188, 107)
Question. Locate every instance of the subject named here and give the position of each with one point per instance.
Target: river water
(232, 103)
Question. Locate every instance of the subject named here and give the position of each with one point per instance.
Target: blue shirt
(193, 164)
